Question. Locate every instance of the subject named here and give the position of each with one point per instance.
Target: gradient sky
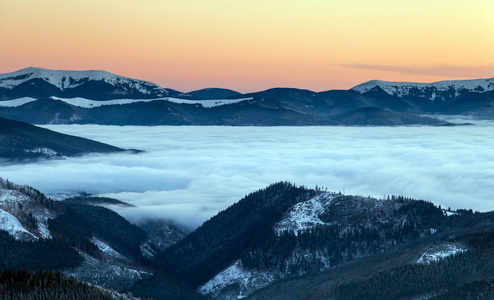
(253, 45)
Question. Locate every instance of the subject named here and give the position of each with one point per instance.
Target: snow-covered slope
(10, 224)
(327, 230)
(428, 90)
(239, 281)
(64, 81)
(304, 215)
(25, 214)
(105, 248)
(439, 252)
(16, 102)
(87, 103)
(17, 210)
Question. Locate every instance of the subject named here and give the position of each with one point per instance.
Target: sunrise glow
(253, 45)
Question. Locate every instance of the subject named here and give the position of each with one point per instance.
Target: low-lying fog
(189, 173)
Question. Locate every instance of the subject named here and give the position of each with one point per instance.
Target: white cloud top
(189, 173)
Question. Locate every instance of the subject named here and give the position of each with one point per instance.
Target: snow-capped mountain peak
(64, 81)
(428, 90)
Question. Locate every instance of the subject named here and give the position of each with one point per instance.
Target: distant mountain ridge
(373, 116)
(436, 91)
(97, 85)
(34, 95)
(211, 93)
(69, 81)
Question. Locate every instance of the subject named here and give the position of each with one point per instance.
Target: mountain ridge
(432, 91)
(211, 93)
(128, 101)
(73, 77)
(322, 236)
(65, 83)
(23, 141)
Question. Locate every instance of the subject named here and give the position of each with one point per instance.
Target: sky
(251, 45)
(190, 173)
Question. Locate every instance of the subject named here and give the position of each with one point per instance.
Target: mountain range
(41, 96)
(100, 85)
(280, 242)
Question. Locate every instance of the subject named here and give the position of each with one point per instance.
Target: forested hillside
(286, 233)
(281, 242)
(20, 285)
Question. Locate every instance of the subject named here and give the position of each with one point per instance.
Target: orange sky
(253, 45)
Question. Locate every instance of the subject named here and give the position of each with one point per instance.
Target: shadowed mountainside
(20, 140)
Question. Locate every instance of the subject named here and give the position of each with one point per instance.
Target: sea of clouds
(189, 173)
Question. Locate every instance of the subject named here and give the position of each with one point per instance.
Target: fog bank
(190, 173)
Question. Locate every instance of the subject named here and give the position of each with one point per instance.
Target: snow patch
(450, 213)
(14, 202)
(75, 117)
(10, 224)
(147, 250)
(105, 248)
(44, 231)
(45, 151)
(439, 252)
(16, 102)
(208, 103)
(87, 103)
(304, 215)
(247, 281)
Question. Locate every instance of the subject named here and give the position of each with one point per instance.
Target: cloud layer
(190, 173)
